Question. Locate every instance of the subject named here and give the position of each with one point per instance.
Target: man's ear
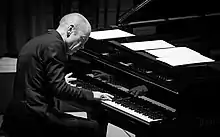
(69, 33)
(71, 29)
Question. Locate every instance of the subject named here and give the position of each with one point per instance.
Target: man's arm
(55, 76)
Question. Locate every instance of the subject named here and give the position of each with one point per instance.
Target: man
(40, 77)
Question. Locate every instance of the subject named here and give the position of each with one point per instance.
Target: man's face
(76, 42)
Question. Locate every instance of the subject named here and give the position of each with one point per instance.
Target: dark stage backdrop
(23, 19)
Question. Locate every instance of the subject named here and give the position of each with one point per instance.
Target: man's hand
(102, 75)
(138, 91)
(102, 96)
(68, 79)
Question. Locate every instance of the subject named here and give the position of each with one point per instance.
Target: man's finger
(106, 97)
(96, 71)
(71, 79)
(97, 76)
(73, 85)
(69, 74)
(109, 95)
(137, 93)
(133, 92)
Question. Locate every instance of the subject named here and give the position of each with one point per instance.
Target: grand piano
(181, 100)
(194, 22)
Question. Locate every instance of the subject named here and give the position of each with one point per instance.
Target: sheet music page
(176, 61)
(179, 56)
(173, 52)
(147, 45)
(108, 34)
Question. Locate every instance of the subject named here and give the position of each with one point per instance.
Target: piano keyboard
(131, 106)
(130, 111)
(120, 87)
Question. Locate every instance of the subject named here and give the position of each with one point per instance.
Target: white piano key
(129, 111)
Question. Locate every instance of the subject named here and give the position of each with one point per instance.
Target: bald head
(75, 29)
(79, 22)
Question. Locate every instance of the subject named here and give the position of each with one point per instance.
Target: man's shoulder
(45, 40)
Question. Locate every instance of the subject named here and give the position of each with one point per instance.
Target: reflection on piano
(176, 96)
(125, 110)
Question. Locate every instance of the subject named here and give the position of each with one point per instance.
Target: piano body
(180, 100)
(193, 22)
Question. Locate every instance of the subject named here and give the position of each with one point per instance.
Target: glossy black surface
(165, 9)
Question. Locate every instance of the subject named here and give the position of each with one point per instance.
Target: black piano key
(142, 109)
(132, 103)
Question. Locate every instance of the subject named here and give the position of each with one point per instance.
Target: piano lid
(162, 10)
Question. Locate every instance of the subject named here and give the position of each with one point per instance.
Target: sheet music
(108, 34)
(172, 52)
(179, 56)
(147, 45)
(176, 61)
